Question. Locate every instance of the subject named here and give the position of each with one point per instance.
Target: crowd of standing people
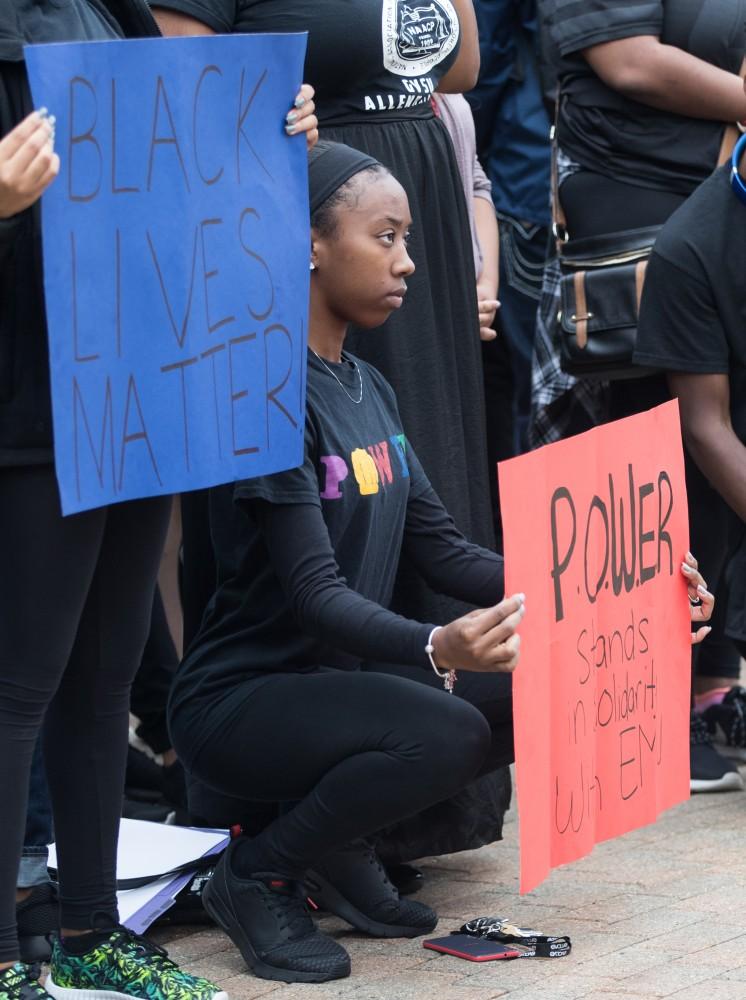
(349, 650)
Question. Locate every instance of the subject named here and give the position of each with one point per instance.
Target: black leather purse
(601, 284)
(600, 290)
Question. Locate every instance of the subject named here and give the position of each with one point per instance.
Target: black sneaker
(21, 982)
(37, 918)
(710, 772)
(407, 879)
(267, 919)
(352, 883)
(727, 723)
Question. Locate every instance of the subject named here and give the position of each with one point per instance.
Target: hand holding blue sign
(28, 164)
(176, 262)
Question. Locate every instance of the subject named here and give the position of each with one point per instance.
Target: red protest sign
(595, 531)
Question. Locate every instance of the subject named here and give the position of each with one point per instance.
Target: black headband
(330, 165)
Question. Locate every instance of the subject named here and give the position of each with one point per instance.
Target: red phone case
(473, 949)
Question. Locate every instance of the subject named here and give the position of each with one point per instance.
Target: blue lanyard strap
(736, 181)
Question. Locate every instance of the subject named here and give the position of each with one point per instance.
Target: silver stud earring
(312, 266)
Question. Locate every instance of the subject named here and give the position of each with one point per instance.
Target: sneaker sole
(730, 782)
(66, 993)
(328, 898)
(224, 918)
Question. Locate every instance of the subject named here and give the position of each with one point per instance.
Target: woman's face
(362, 265)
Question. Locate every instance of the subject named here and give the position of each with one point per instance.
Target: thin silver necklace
(341, 384)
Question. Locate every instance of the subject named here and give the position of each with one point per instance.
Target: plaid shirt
(561, 405)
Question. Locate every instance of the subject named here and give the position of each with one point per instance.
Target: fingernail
(521, 597)
(703, 590)
(291, 117)
(689, 557)
(290, 129)
(52, 119)
(685, 568)
(42, 112)
(299, 101)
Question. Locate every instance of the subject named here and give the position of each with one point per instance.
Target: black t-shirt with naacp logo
(365, 57)
(307, 558)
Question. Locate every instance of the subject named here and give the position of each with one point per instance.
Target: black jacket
(25, 403)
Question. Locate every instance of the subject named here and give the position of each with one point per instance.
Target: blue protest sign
(176, 244)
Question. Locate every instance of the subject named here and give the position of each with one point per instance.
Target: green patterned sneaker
(21, 982)
(124, 966)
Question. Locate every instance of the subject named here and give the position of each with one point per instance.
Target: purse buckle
(560, 232)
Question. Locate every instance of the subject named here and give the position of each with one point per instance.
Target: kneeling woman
(301, 687)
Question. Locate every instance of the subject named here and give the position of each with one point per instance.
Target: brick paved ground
(658, 913)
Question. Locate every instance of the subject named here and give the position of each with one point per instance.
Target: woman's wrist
(448, 676)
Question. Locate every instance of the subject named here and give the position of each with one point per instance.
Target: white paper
(148, 849)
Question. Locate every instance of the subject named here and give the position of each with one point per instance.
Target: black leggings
(75, 601)
(354, 751)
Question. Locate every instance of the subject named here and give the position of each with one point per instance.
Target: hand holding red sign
(701, 601)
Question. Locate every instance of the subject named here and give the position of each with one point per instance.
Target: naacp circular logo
(422, 31)
(418, 34)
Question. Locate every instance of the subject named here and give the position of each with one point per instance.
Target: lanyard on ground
(532, 944)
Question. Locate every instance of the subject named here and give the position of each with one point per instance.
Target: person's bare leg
(168, 579)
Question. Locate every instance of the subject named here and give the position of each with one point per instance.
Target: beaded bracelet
(447, 676)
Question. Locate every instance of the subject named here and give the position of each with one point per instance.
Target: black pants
(354, 751)
(75, 601)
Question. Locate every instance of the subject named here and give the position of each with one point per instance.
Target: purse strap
(731, 133)
(559, 222)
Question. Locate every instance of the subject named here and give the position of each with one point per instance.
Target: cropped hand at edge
(28, 164)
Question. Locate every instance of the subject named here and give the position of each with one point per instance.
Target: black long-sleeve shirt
(307, 558)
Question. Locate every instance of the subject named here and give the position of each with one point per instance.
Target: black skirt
(429, 350)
